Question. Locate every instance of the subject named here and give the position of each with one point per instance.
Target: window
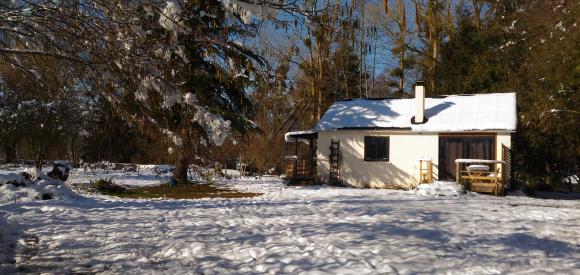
(376, 148)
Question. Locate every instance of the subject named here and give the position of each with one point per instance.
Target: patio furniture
(486, 183)
(477, 169)
(477, 176)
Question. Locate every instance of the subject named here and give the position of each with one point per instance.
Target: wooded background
(158, 81)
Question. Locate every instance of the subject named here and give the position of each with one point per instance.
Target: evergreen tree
(175, 67)
(202, 86)
(473, 59)
(343, 72)
(530, 48)
(399, 35)
(548, 140)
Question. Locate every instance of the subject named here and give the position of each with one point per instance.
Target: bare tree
(400, 36)
(434, 20)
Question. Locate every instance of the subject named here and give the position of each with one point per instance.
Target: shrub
(545, 187)
(107, 187)
(60, 171)
(17, 183)
(47, 196)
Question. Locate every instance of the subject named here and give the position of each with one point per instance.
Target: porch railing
(299, 168)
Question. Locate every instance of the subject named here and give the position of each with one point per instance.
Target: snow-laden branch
(555, 111)
(38, 53)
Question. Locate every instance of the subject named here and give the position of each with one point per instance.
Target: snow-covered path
(294, 230)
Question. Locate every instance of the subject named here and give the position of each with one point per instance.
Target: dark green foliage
(473, 59)
(532, 48)
(345, 74)
(107, 187)
(548, 140)
(113, 138)
(213, 67)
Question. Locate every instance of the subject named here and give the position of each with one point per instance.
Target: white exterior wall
(402, 169)
(505, 139)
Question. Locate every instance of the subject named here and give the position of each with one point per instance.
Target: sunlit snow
(293, 230)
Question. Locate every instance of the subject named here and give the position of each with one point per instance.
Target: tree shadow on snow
(527, 243)
(380, 230)
(10, 233)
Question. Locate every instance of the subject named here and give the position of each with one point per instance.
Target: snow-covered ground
(293, 230)
(145, 177)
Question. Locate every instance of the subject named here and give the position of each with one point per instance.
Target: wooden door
(462, 147)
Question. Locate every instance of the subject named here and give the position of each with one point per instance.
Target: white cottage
(380, 143)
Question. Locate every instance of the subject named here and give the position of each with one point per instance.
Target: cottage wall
(402, 169)
(505, 139)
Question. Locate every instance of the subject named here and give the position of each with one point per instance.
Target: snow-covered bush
(60, 170)
(31, 184)
(163, 169)
(15, 179)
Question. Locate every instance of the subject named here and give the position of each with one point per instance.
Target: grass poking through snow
(182, 191)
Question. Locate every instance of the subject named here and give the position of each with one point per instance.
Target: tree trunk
(402, 70)
(181, 167)
(38, 160)
(9, 153)
(184, 155)
(319, 80)
(73, 152)
(433, 40)
(477, 12)
(402, 51)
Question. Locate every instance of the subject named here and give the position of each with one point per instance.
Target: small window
(376, 148)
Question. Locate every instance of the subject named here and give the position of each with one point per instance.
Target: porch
(300, 159)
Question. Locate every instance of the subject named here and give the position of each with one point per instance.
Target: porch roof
(304, 136)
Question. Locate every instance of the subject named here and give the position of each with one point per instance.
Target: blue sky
(273, 39)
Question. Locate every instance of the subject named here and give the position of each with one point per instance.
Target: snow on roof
(298, 135)
(451, 113)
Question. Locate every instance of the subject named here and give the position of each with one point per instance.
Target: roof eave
(409, 129)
